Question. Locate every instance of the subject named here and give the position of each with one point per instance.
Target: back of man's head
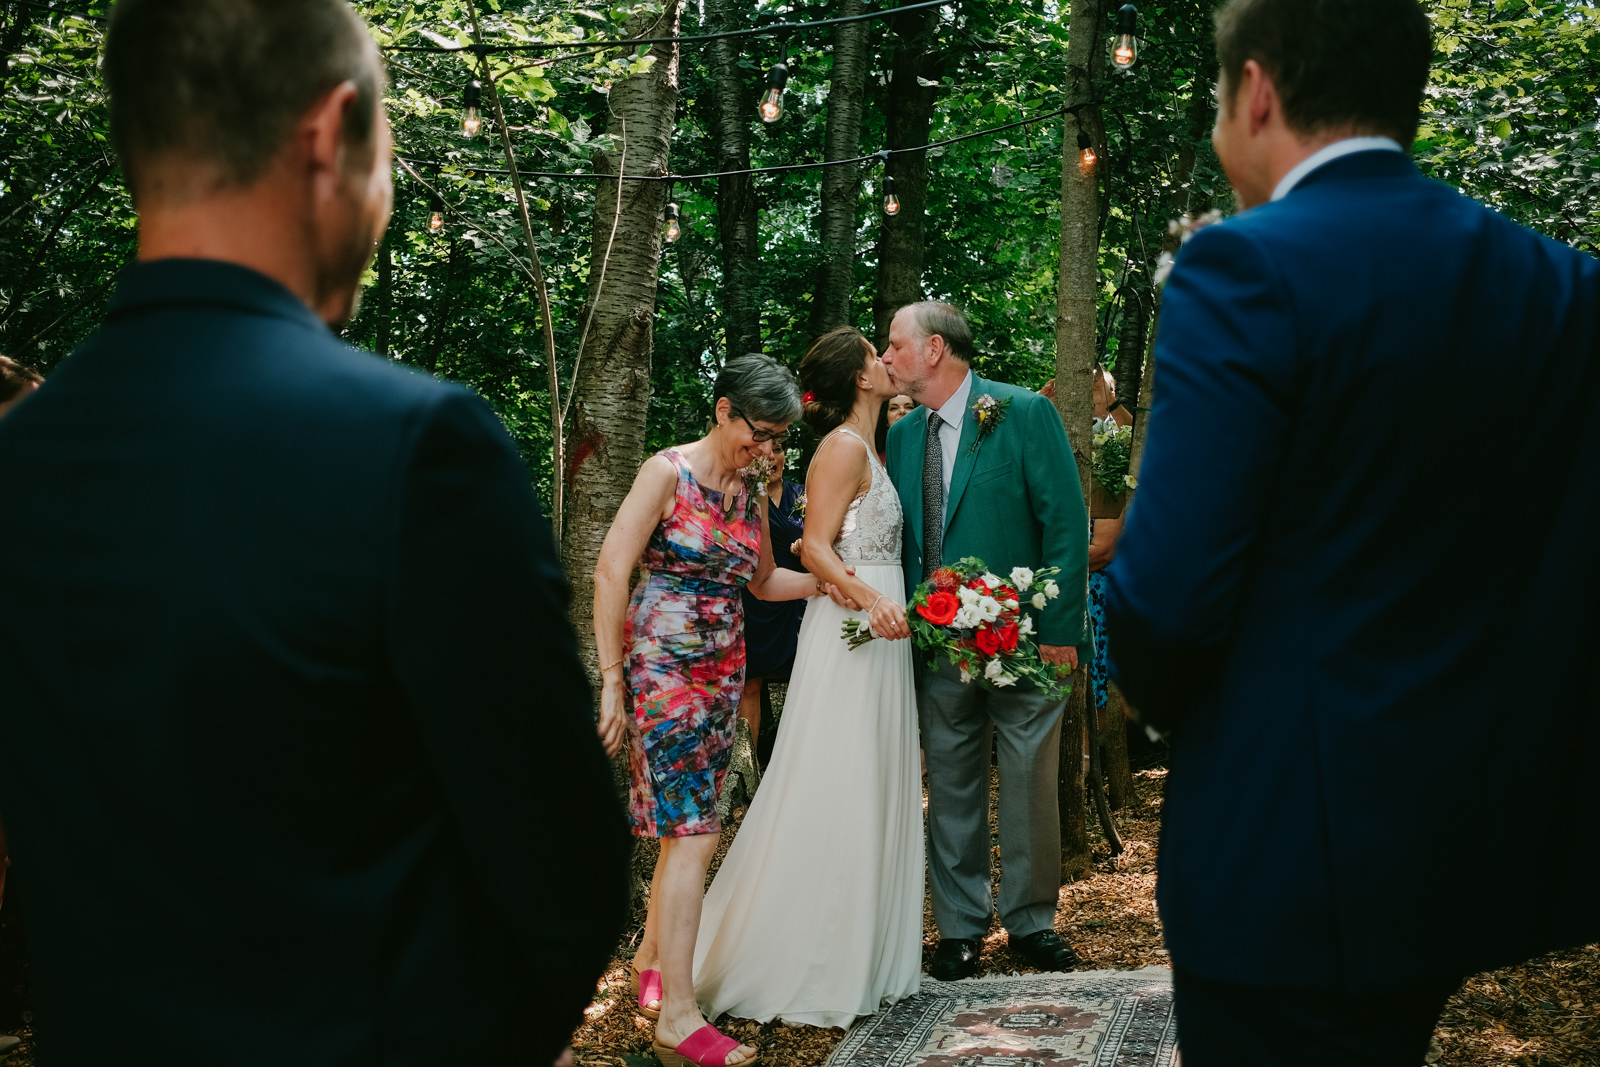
(222, 83)
(1356, 65)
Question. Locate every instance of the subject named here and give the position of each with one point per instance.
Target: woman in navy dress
(772, 627)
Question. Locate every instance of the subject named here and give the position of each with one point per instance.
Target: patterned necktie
(932, 497)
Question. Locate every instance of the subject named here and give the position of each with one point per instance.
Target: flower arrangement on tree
(978, 622)
(1110, 457)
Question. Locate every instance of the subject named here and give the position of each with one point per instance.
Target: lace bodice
(872, 526)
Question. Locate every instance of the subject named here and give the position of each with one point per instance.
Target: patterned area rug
(1075, 1019)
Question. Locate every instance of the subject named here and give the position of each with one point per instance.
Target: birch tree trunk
(909, 118)
(1077, 291)
(841, 186)
(385, 294)
(737, 226)
(605, 431)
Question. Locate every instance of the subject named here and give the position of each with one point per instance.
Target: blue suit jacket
(1361, 575)
(299, 757)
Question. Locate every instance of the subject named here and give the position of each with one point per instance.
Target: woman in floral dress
(673, 664)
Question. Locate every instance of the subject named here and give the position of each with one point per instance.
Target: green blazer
(1014, 501)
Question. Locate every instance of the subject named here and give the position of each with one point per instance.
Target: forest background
(1049, 231)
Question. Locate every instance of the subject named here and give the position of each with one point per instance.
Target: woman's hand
(888, 619)
(613, 713)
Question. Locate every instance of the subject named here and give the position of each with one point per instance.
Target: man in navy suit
(1375, 670)
(300, 763)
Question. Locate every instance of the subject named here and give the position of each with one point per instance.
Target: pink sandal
(706, 1047)
(648, 985)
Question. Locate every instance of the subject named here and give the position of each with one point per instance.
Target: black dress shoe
(1045, 950)
(955, 958)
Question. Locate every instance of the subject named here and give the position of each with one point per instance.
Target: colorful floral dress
(686, 659)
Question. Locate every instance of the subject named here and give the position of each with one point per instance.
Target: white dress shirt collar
(1329, 152)
(954, 410)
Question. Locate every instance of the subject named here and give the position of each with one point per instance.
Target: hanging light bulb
(436, 220)
(772, 100)
(1126, 47)
(891, 203)
(1086, 146)
(472, 117)
(674, 230)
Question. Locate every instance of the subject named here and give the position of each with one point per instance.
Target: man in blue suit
(300, 763)
(1374, 670)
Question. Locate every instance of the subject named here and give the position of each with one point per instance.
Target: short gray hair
(935, 318)
(759, 388)
(225, 81)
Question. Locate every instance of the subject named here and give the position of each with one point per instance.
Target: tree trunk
(443, 307)
(1114, 742)
(385, 295)
(1131, 345)
(16, 26)
(605, 432)
(841, 186)
(1077, 290)
(909, 118)
(737, 227)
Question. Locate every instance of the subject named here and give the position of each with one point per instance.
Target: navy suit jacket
(1361, 580)
(299, 756)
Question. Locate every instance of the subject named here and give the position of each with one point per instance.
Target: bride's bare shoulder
(840, 465)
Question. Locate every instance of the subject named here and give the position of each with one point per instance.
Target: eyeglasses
(779, 440)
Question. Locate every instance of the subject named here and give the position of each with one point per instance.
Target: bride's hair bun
(828, 374)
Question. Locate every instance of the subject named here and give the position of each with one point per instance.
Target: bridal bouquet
(975, 620)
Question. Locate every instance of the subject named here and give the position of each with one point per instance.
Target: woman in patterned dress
(700, 533)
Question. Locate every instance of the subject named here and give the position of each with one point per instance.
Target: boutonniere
(989, 413)
(798, 509)
(757, 475)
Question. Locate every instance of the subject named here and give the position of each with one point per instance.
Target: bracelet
(608, 666)
(875, 602)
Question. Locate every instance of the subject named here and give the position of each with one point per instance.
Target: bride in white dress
(816, 913)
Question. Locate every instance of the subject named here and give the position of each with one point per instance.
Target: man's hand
(1060, 655)
(1100, 555)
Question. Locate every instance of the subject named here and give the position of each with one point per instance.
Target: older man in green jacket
(1009, 495)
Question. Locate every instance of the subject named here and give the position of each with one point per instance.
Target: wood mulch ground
(1542, 1014)
(1545, 1013)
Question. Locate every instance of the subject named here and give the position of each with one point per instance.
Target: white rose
(1021, 577)
(967, 617)
(993, 670)
(1025, 627)
(967, 596)
(966, 675)
(1038, 601)
(1004, 680)
(1011, 605)
(1052, 590)
(991, 580)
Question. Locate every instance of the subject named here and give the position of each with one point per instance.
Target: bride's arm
(840, 473)
(772, 582)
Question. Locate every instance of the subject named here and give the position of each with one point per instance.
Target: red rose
(988, 641)
(1008, 637)
(940, 608)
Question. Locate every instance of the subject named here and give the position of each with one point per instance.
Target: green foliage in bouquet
(1110, 458)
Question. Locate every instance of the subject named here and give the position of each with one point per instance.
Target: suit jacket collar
(206, 282)
(1376, 164)
(967, 456)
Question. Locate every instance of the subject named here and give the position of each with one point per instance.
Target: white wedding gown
(816, 913)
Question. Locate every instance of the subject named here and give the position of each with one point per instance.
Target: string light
(1126, 48)
(674, 231)
(891, 203)
(472, 101)
(436, 220)
(1086, 146)
(772, 102)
